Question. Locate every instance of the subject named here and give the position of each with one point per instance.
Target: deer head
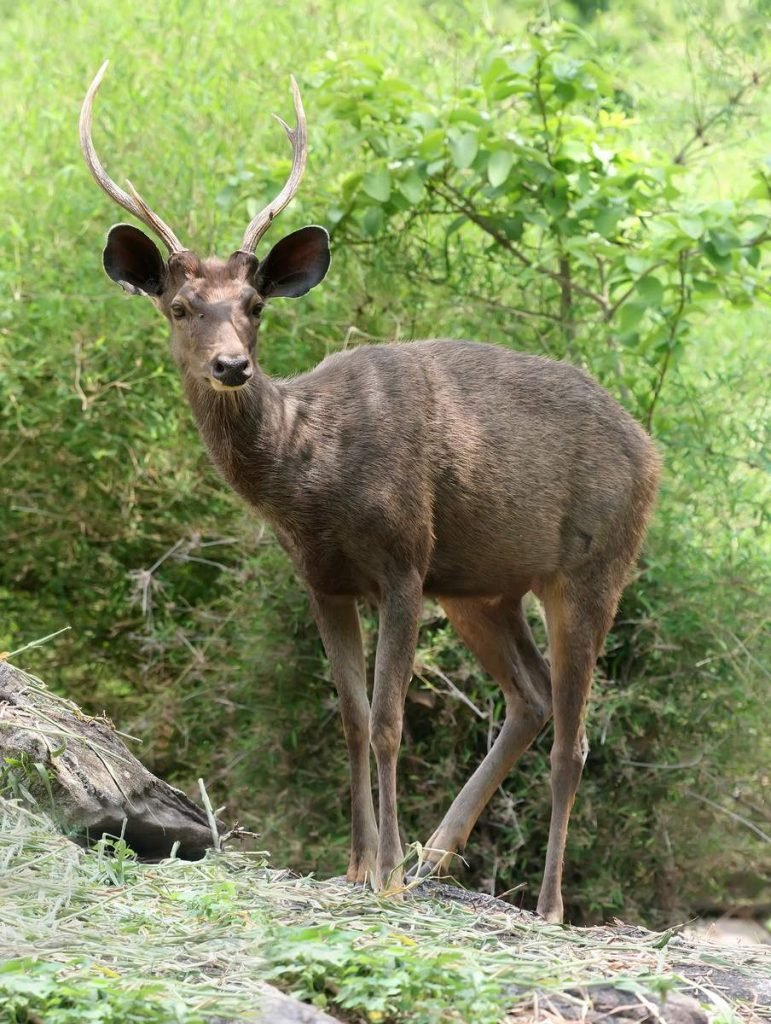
(213, 306)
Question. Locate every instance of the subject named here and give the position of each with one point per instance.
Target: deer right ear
(133, 260)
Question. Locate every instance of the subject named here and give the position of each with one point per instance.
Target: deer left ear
(295, 264)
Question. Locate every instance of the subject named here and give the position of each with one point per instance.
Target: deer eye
(256, 310)
(178, 311)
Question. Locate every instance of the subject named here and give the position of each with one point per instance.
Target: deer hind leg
(497, 632)
(578, 617)
(338, 623)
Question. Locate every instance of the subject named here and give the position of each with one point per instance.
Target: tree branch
(457, 201)
(732, 102)
(668, 356)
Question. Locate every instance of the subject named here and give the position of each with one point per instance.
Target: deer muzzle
(230, 372)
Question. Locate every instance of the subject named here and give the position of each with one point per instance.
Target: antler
(133, 203)
(298, 137)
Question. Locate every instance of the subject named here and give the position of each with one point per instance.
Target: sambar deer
(464, 471)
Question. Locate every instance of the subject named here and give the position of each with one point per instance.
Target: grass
(97, 936)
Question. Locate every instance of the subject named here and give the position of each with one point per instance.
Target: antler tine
(133, 203)
(298, 137)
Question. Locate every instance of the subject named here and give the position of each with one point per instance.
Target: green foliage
(594, 198)
(386, 975)
(34, 990)
(535, 173)
(26, 780)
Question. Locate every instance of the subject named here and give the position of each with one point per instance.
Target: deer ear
(132, 260)
(295, 264)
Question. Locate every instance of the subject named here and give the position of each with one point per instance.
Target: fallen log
(80, 770)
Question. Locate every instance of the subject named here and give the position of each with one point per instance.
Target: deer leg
(397, 639)
(338, 623)
(499, 636)
(577, 620)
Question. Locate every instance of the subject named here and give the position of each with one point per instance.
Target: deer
(462, 471)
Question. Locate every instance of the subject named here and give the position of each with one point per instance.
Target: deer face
(214, 306)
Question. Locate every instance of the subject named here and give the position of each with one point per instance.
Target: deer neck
(240, 431)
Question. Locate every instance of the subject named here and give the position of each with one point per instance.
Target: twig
(452, 688)
(672, 333)
(216, 842)
(731, 814)
(459, 203)
(731, 103)
(34, 643)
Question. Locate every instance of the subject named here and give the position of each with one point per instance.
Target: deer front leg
(397, 639)
(338, 623)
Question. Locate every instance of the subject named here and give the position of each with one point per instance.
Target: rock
(276, 1008)
(95, 783)
(603, 1004)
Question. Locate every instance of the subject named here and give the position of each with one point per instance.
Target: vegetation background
(582, 179)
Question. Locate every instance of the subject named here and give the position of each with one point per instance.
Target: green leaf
(556, 203)
(373, 220)
(651, 290)
(412, 188)
(510, 86)
(637, 264)
(456, 225)
(629, 316)
(606, 220)
(513, 227)
(536, 217)
(523, 65)
(761, 189)
(421, 119)
(565, 92)
(377, 185)
(499, 165)
(573, 150)
(498, 68)
(432, 145)
(719, 260)
(603, 155)
(565, 68)
(724, 240)
(691, 225)
(752, 256)
(467, 115)
(464, 149)
(705, 286)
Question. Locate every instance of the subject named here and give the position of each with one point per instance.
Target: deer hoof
(551, 914)
(360, 872)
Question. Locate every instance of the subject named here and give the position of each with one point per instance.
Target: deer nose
(231, 371)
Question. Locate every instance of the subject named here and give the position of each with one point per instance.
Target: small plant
(26, 780)
(116, 862)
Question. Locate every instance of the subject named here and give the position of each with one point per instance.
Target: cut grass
(97, 936)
